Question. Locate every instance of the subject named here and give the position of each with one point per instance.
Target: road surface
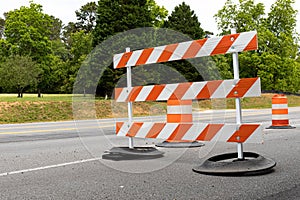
(63, 160)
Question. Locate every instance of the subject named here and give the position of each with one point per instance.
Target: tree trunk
(39, 93)
(20, 92)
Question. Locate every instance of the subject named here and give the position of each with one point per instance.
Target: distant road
(63, 160)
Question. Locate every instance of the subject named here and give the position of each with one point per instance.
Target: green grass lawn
(33, 97)
(58, 107)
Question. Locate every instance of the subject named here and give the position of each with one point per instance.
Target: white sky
(65, 9)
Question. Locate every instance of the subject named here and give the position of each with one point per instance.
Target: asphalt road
(63, 160)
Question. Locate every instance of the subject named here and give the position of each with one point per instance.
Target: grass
(53, 107)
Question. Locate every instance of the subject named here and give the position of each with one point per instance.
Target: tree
(115, 16)
(19, 72)
(81, 45)
(275, 60)
(30, 32)
(281, 23)
(2, 26)
(244, 16)
(184, 20)
(86, 17)
(56, 29)
(29, 29)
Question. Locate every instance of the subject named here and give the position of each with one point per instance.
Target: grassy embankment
(59, 107)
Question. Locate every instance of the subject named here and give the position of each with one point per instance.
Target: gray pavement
(63, 160)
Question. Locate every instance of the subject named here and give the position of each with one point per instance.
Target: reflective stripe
(191, 131)
(248, 87)
(197, 48)
(280, 117)
(279, 106)
(183, 109)
(167, 92)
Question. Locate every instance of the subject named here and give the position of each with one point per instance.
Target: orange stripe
(209, 132)
(179, 102)
(155, 130)
(118, 92)
(180, 131)
(134, 129)
(225, 44)
(155, 92)
(280, 111)
(243, 133)
(124, 60)
(144, 56)
(279, 99)
(253, 44)
(194, 48)
(242, 87)
(209, 89)
(167, 53)
(118, 126)
(179, 118)
(134, 93)
(283, 122)
(180, 91)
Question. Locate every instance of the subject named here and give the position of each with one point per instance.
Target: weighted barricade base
(167, 144)
(126, 153)
(229, 165)
(281, 127)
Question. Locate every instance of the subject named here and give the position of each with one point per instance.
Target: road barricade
(280, 112)
(177, 129)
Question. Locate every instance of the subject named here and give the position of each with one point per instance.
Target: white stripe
(124, 95)
(256, 136)
(167, 130)
(144, 130)
(134, 58)
(223, 90)
(194, 90)
(144, 93)
(225, 133)
(279, 106)
(194, 131)
(242, 42)
(208, 47)
(117, 59)
(183, 109)
(167, 92)
(255, 90)
(280, 117)
(124, 129)
(155, 54)
(180, 50)
(48, 167)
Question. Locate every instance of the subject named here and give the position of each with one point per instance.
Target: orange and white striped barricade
(280, 112)
(236, 88)
(179, 111)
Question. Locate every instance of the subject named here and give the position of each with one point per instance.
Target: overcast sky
(65, 9)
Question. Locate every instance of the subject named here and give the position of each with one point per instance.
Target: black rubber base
(229, 165)
(137, 153)
(281, 127)
(166, 144)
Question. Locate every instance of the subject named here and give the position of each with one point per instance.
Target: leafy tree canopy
(19, 72)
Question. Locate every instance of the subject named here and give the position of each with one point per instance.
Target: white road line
(54, 130)
(53, 124)
(48, 167)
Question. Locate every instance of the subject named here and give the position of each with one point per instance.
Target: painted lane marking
(27, 126)
(48, 167)
(54, 130)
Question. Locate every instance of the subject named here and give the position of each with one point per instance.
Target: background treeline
(38, 53)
